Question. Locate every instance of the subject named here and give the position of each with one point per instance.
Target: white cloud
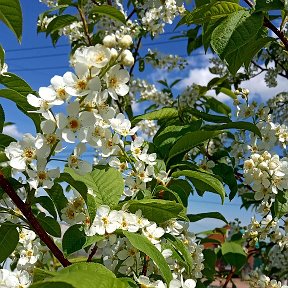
(12, 131)
(258, 88)
(199, 76)
(137, 108)
(199, 61)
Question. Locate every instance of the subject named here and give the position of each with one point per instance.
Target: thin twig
(85, 26)
(135, 55)
(229, 277)
(271, 26)
(33, 222)
(131, 14)
(92, 253)
(265, 69)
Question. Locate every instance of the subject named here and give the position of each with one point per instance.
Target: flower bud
(127, 58)
(126, 41)
(109, 41)
(114, 53)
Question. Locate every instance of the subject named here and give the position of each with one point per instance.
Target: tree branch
(92, 253)
(135, 55)
(229, 277)
(131, 14)
(85, 26)
(33, 222)
(265, 69)
(271, 26)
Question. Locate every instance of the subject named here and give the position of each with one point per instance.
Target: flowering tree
(126, 213)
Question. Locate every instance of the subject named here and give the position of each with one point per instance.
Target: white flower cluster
(279, 106)
(15, 279)
(119, 255)
(278, 258)
(266, 174)
(148, 128)
(89, 119)
(266, 228)
(50, 3)
(10, 212)
(74, 212)
(190, 96)
(149, 92)
(155, 14)
(166, 62)
(29, 251)
(258, 280)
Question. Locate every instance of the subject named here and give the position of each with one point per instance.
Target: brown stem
(265, 69)
(229, 277)
(34, 223)
(135, 55)
(277, 32)
(131, 14)
(92, 253)
(145, 265)
(85, 26)
(271, 26)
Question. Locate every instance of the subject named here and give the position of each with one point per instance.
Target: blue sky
(36, 52)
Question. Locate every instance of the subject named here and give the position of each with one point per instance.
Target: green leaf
(171, 195)
(170, 134)
(80, 279)
(164, 113)
(200, 216)
(2, 56)
(89, 267)
(8, 240)
(234, 254)
(144, 245)
(23, 105)
(41, 274)
(82, 189)
(226, 172)
(74, 239)
(231, 37)
(211, 12)
(227, 92)
(253, 47)
(182, 188)
(208, 117)
(191, 140)
(5, 140)
(182, 250)
(60, 22)
(218, 106)
(2, 118)
(210, 182)
(58, 198)
(106, 183)
(269, 5)
(47, 204)
(16, 83)
(50, 225)
(236, 125)
(11, 16)
(156, 210)
(209, 263)
(109, 11)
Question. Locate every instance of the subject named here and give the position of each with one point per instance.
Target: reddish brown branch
(135, 55)
(272, 27)
(33, 222)
(92, 253)
(229, 277)
(85, 26)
